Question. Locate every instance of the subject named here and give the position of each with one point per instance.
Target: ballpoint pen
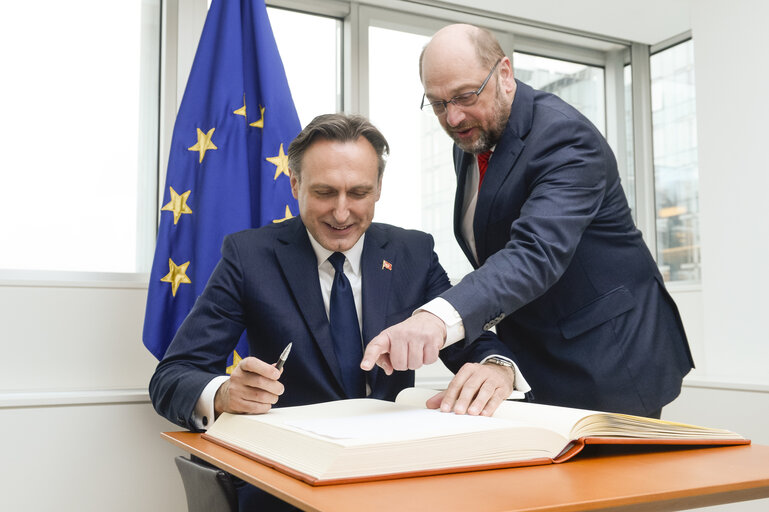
(283, 356)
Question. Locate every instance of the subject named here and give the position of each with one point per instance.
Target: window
(80, 111)
(313, 70)
(676, 177)
(419, 184)
(628, 183)
(579, 85)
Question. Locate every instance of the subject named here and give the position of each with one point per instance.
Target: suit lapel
(502, 162)
(300, 268)
(375, 290)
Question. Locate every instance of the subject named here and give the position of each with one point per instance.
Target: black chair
(208, 488)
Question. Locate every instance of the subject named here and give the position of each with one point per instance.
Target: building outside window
(675, 163)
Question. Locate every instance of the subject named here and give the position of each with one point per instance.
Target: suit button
(493, 322)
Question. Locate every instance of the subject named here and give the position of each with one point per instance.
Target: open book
(367, 439)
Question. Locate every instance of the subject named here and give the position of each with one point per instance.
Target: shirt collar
(353, 255)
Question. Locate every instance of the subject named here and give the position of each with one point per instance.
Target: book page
(577, 423)
(397, 425)
(557, 419)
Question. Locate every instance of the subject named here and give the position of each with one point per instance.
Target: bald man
(560, 268)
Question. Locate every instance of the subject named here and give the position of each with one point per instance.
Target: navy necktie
(345, 330)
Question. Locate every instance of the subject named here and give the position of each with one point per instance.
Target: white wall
(731, 75)
(79, 434)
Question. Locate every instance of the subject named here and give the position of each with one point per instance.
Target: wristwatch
(501, 361)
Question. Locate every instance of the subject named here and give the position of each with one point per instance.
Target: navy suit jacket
(267, 284)
(563, 272)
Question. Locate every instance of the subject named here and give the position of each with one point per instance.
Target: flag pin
(387, 265)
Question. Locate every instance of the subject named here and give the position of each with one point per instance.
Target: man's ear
(294, 184)
(507, 75)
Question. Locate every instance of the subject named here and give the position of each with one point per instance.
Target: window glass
(79, 110)
(419, 183)
(674, 125)
(580, 85)
(313, 70)
(628, 183)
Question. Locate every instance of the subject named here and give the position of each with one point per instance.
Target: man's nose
(454, 114)
(341, 209)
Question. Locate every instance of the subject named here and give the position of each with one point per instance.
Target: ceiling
(648, 21)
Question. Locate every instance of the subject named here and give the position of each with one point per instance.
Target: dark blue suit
(564, 274)
(267, 283)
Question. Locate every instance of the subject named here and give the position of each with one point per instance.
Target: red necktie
(483, 163)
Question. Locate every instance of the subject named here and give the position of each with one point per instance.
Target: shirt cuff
(203, 415)
(520, 386)
(455, 329)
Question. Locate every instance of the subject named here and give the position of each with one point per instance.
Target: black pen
(283, 356)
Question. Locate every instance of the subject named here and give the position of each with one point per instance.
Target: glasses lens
(438, 107)
(465, 100)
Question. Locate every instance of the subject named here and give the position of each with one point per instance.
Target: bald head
(467, 41)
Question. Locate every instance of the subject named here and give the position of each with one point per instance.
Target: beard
(487, 138)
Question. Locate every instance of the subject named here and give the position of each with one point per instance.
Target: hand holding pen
(253, 386)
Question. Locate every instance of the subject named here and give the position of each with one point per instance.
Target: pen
(283, 356)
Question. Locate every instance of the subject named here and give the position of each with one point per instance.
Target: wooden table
(630, 478)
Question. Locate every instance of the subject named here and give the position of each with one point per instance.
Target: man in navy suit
(276, 283)
(561, 270)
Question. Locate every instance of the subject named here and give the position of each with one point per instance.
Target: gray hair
(340, 128)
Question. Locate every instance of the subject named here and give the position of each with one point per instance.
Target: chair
(208, 488)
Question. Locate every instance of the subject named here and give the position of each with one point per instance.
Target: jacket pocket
(600, 310)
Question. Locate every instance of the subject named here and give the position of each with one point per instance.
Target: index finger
(375, 351)
(255, 365)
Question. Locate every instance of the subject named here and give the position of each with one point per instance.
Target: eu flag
(227, 168)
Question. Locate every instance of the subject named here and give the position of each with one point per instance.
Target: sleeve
(568, 169)
(457, 354)
(204, 413)
(198, 353)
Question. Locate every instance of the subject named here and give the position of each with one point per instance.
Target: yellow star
(178, 204)
(281, 161)
(176, 275)
(242, 110)
(204, 143)
(260, 122)
(289, 215)
(236, 359)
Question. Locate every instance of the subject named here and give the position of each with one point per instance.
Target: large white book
(367, 439)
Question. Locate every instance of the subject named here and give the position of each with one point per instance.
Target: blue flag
(228, 168)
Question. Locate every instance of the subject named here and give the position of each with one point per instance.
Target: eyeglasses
(467, 99)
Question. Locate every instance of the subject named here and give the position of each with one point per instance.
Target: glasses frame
(440, 107)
